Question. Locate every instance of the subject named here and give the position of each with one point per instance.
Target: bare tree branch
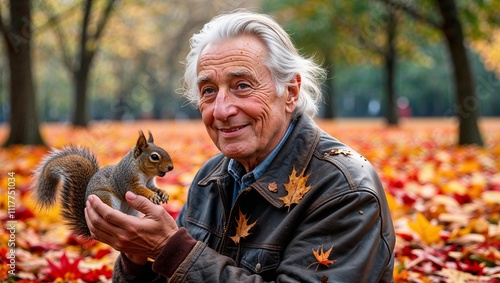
(412, 12)
(54, 21)
(361, 36)
(55, 18)
(90, 52)
(104, 19)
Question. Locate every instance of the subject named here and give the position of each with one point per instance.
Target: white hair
(283, 59)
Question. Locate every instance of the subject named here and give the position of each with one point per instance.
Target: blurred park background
(76, 61)
(413, 85)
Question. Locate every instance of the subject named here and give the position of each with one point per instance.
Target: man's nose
(225, 105)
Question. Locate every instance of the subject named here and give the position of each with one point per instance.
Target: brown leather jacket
(345, 208)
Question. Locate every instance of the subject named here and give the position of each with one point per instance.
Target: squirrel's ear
(141, 144)
(150, 140)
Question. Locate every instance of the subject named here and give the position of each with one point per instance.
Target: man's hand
(138, 238)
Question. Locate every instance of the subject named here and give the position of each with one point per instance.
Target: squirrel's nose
(170, 167)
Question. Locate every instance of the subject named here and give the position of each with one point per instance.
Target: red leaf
(93, 276)
(67, 271)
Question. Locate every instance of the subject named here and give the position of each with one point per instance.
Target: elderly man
(282, 202)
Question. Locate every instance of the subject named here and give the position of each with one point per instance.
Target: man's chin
(235, 151)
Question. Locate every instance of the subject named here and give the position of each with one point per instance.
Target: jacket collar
(302, 142)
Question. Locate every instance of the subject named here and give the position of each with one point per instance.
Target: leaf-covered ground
(444, 199)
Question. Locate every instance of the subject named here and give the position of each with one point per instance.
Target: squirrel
(78, 170)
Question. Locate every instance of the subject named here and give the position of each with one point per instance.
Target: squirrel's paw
(159, 197)
(163, 196)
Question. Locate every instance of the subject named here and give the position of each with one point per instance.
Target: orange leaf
(322, 257)
(296, 188)
(242, 228)
(273, 187)
(428, 232)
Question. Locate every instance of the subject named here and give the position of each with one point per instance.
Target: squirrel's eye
(155, 157)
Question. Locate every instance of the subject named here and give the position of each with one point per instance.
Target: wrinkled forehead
(237, 56)
(238, 45)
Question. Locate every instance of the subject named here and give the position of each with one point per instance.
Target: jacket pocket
(261, 261)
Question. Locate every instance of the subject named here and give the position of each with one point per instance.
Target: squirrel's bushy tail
(74, 167)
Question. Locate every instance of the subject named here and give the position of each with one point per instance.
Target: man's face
(240, 108)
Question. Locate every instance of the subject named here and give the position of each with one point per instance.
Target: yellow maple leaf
(322, 257)
(296, 188)
(428, 232)
(242, 227)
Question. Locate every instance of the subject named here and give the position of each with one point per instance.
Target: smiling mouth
(232, 129)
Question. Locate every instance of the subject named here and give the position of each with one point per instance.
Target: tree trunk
(24, 121)
(80, 108)
(390, 67)
(81, 73)
(467, 104)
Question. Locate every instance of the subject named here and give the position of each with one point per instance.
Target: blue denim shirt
(237, 170)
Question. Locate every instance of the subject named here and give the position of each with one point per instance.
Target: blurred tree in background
(370, 31)
(24, 123)
(92, 24)
(476, 14)
(385, 58)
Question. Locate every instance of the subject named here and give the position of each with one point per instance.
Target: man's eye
(207, 91)
(243, 89)
(243, 86)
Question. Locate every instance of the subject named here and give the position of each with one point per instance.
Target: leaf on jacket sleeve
(322, 257)
(296, 188)
(428, 232)
(242, 228)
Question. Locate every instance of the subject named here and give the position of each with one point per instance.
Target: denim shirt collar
(237, 170)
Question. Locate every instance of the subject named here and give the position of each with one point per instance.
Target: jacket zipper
(225, 225)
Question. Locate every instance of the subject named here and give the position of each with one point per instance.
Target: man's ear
(293, 91)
